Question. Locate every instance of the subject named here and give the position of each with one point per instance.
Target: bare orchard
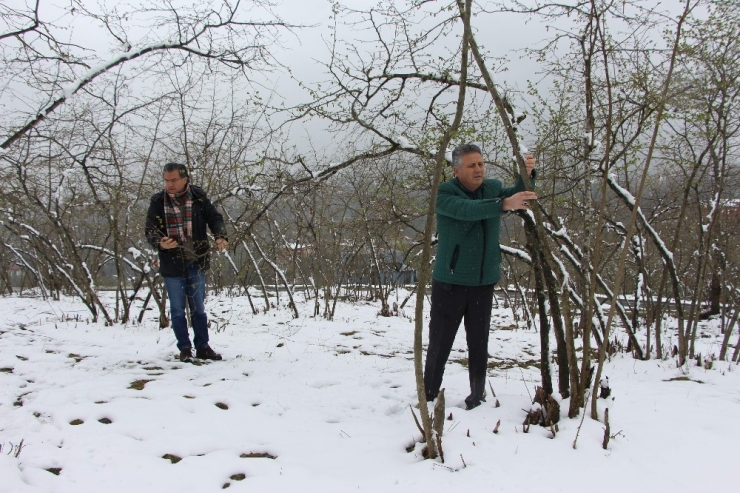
(633, 118)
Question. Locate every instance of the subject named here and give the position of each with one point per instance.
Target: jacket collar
(476, 194)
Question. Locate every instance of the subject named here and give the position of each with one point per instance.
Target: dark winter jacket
(173, 262)
(468, 251)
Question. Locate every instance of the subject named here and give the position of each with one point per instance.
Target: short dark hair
(180, 168)
(461, 150)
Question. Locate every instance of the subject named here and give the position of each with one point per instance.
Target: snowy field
(315, 406)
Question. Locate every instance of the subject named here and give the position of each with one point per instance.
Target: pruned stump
(551, 407)
(438, 418)
(547, 414)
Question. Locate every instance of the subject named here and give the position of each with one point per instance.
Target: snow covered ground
(310, 405)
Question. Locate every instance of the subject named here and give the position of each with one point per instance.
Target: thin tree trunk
(591, 255)
(557, 322)
(727, 334)
(668, 261)
(576, 392)
(342, 276)
(259, 276)
(278, 274)
(736, 353)
(425, 268)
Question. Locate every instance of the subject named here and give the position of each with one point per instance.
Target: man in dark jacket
(467, 267)
(176, 227)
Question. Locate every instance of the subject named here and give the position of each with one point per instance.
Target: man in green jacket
(469, 209)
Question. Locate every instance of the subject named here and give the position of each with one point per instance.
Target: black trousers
(450, 304)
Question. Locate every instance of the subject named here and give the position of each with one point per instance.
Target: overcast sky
(305, 48)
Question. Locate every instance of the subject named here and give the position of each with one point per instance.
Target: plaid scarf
(178, 214)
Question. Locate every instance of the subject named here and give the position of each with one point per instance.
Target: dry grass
(258, 455)
(682, 379)
(139, 384)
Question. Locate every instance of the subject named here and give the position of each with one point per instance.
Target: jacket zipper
(484, 228)
(483, 257)
(453, 262)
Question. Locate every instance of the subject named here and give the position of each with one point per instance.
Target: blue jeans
(191, 288)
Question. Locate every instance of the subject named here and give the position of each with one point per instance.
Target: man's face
(471, 172)
(173, 183)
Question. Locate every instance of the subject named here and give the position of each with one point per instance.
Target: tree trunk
(425, 270)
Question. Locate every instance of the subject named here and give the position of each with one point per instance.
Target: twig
(14, 449)
(416, 420)
(463, 461)
(492, 392)
(607, 430)
(581, 424)
(525, 384)
(498, 423)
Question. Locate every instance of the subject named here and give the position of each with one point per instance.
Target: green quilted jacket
(468, 223)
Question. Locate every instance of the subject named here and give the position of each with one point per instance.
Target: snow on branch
(28, 266)
(562, 233)
(279, 272)
(630, 200)
(515, 252)
(199, 42)
(237, 191)
(69, 90)
(80, 293)
(710, 215)
(112, 254)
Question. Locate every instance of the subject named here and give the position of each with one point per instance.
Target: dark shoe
(207, 353)
(473, 402)
(186, 355)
